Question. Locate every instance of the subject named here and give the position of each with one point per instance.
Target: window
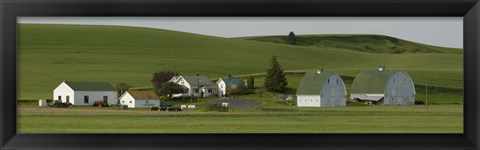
(130, 102)
(85, 99)
(68, 99)
(221, 85)
(209, 90)
(123, 101)
(328, 81)
(146, 102)
(59, 97)
(337, 81)
(393, 79)
(105, 98)
(196, 90)
(404, 79)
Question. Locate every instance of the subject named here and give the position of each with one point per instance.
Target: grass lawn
(355, 119)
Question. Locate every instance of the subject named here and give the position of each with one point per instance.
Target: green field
(354, 119)
(49, 54)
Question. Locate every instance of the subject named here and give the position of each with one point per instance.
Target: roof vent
(381, 68)
(320, 70)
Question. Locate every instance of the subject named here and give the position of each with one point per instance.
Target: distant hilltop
(359, 42)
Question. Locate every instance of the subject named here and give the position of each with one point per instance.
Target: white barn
(321, 89)
(230, 83)
(383, 87)
(195, 85)
(85, 93)
(140, 99)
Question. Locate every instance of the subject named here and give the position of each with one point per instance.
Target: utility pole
(426, 92)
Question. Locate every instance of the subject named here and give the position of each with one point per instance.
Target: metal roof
(312, 83)
(371, 81)
(196, 80)
(231, 80)
(91, 86)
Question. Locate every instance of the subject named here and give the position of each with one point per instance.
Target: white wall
(222, 86)
(127, 99)
(184, 83)
(147, 103)
(63, 90)
(94, 96)
(308, 100)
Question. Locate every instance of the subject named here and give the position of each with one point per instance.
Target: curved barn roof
(312, 83)
(371, 81)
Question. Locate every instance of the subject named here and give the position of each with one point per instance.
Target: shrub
(100, 103)
(217, 107)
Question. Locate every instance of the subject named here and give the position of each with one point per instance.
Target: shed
(85, 93)
(140, 99)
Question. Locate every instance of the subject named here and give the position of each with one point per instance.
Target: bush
(217, 107)
(100, 103)
(419, 103)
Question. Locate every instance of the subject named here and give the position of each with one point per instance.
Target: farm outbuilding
(195, 85)
(140, 99)
(383, 87)
(230, 83)
(321, 89)
(85, 93)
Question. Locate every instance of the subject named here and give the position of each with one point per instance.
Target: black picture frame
(11, 9)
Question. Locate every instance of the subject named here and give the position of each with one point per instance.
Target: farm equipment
(60, 104)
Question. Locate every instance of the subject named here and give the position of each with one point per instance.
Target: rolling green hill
(359, 42)
(49, 54)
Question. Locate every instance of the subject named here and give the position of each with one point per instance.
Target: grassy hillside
(49, 54)
(363, 43)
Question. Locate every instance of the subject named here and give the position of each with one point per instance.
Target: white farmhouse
(85, 93)
(195, 85)
(321, 89)
(383, 87)
(230, 83)
(140, 99)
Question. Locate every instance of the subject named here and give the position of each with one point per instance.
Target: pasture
(354, 119)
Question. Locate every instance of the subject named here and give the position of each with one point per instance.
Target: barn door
(332, 98)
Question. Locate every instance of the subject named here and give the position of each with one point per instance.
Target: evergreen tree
(250, 82)
(292, 40)
(275, 80)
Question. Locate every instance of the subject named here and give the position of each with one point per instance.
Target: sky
(439, 31)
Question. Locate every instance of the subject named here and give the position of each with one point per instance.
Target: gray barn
(321, 89)
(383, 87)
